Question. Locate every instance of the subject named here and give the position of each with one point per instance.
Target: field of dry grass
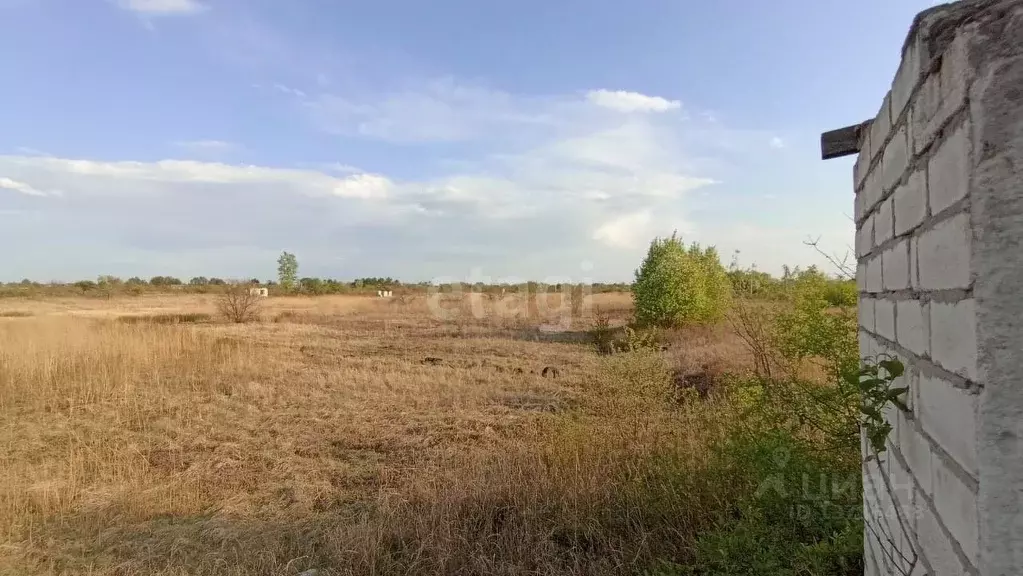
(347, 434)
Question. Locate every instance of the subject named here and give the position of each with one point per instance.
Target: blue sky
(529, 139)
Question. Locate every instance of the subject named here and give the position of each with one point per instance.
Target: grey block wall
(939, 242)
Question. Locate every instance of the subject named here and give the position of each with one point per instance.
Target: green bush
(792, 461)
(801, 512)
(676, 285)
(841, 293)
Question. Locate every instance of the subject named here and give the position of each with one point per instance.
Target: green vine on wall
(875, 381)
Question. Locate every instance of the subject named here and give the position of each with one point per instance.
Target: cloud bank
(570, 185)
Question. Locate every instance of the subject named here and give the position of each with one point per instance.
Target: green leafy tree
(287, 270)
(164, 281)
(677, 285)
(312, 285)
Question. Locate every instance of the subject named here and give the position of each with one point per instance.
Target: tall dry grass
(326, 442)
(78, 396)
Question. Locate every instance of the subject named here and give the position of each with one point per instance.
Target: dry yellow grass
(323, 437)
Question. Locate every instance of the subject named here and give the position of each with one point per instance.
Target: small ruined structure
(261, 292)
(939, 228)
(383, 293)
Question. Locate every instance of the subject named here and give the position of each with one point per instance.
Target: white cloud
(163, 7)
(341, 168)
(546, 182)
(440, 110)
(363, 186)
(776, 143)
(624, 101)
(95, 177)
(11, 184)
(288, 90)
(628, 231)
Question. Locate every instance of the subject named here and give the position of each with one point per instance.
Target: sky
(449, 139)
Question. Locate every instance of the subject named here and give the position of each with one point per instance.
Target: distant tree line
(112, 285)
(746, 283)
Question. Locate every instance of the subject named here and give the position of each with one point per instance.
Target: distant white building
(383, 293)
(261, 292)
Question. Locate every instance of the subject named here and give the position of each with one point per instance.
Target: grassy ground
(349, 434)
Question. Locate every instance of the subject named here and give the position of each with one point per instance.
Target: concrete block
(877, 547)
(870, 346)
(892, 415)
(866, 313)
(895, 266)
(911, 380)
(895, 160)
(884, 318)
(880, 127)
(957, 72)
(864, 339)
(923, 109)
(906, 77)
(870, 564)
(943, 254)
(949, 416)
(936, 547)
(956, 504)
(862, 165)
(865, 237)
(891, 526)
(883, 222)
(873, 276)
(910, 203)
(913, 326)
(943, 94)
(880, 514)
(948, 170)
(871, 189)
(916, 449)
(954, 337)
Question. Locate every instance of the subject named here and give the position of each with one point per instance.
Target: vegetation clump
(677, 286)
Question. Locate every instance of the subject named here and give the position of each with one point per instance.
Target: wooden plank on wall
(843, 141)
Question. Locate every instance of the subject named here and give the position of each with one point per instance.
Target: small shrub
(702, 382)
(640, 338)
(603, 335)
(676, 285)
(237, 304)
(609, 339)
